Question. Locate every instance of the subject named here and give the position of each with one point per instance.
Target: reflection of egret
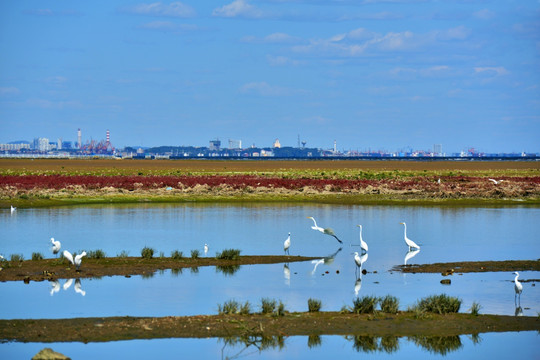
(55, 287)
(360, 260)
(326, 260)
(78, 258)
(55, 246)
(287, 244)
(519, 311)
(409, 242)
(327, 231)
(363, 244)
(287, 274)
(409, 255)
(496, 182)
(13, 208)
(518, 288)
(67, 284)
(78, 289)
(357, 285)
(205, 249)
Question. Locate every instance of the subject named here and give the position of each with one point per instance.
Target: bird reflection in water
(359, 261)
(55, 287)
(67, 284)
(78, 289)
(409, 255)
(287, 274)
(326, 260)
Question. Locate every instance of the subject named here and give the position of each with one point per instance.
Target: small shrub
(365, 305)
(147, 253)
(162, 255)
(195, 254)
(96, 254)
(440, 304)
(229, 254)
(390, 304)
(314, 305)
(37, 256)
(475, 308)
(281, 309)
(16, 257)
(123, 254)
(245, 309)
(268, 306)
(229, 307)
(177, 255)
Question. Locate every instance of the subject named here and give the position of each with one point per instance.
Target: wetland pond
(445, 234)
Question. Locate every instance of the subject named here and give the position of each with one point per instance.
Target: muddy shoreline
(471, 266)
(53, 269)
(244, 326)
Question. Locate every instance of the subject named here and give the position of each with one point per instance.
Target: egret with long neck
(409, 242)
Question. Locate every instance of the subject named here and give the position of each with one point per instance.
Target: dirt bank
(471, 266)
(53, 269)
(322, 323)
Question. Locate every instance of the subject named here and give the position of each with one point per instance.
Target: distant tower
(108, 138)
(79, 139)
(298, 140)
(277, 144)
(303, 143)
(335, 146)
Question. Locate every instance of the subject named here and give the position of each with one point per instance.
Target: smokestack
(79, 139)
(108, 137)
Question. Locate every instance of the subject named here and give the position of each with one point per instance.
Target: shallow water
(445, 234)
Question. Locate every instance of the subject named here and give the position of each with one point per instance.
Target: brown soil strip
(471, 266)
(52, 269)
(322, 323)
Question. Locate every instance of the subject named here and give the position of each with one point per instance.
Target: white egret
(496, 182)
(56, 246)
(55, 287)
(439, 181)
(327, 231)
(287, 244)
(518, 287)
(78, 289)
(363, 244)
(205, 249)
(13, 208)
(78, 258)
(409, 242)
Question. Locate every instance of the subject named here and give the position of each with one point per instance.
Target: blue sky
(373, 74)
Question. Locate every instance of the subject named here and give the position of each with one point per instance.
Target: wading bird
(363, 244)
(327, 231)
(518, 288)
(13, 208)
(496, 182)
(409, 242)
(287, 244)
(205, 249)
(55, 246)
(78, 258)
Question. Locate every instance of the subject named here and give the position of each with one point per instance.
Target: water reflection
(518, 311)
(227, 270)
(314, 341)
(287, 274)
(441, 345)
(409, 255)
(258, 342)
(78, 289)
(326, 260)
(55, 286)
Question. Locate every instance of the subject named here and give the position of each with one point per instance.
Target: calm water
(444, 233)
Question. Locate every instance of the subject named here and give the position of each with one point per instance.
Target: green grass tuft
(37, 256)
(390, 304)
(195, 254)
(228, 254)
(177, 255)
(147, 253)
(365, 305)
(314, 305)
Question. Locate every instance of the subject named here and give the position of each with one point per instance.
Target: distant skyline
(372, 74)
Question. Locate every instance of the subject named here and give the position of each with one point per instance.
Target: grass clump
(390, 304)
(124, 254)
(439, 304)
(96, 254)
(228, 254)
(314, 305)
(268, 306)
(195, 254)
(37, 256)
(177, 255)
(147, 253)
(475, 308)
(234, 307)
(365, 305)
(16, 258)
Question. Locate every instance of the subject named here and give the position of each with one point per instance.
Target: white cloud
(174, 9)
(238, 8)
(265, 89)
(493, 71)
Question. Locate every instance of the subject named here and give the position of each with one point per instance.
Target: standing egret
(496, 182)
(56, 246)
(409, 242)
(327, 231)
(13, 208)
(287, 244)
(517, 287)
(363, 244)
(78, 258)
(205, 249)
